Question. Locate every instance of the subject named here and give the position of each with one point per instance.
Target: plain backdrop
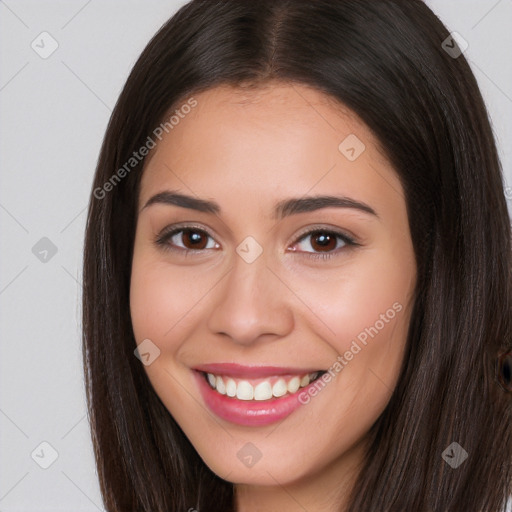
(54, 112)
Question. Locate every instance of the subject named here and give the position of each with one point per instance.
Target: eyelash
(166, 234)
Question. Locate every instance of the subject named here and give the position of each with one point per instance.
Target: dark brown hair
(385, 61)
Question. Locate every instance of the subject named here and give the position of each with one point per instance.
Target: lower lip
(248, 412)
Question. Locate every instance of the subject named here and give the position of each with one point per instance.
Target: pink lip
(248, 372)
(248, 413)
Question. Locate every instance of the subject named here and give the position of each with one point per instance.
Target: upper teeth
(264, 390)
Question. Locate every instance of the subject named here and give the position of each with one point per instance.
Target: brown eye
(186, 239)
(323, 241)
(194, 239)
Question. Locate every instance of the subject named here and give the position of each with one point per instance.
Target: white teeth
(219, 385)
(244, 390)
(293, 385)
(230, 387)
(279, 388)
(263, 391)
(303, 382)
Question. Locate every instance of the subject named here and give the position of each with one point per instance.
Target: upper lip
(252, 371)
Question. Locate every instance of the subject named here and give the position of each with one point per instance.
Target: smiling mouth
(260, 389)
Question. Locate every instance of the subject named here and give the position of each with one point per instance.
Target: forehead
(284, 138)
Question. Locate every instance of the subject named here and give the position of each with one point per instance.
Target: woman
(297, 268)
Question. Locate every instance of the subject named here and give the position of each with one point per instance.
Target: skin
(247, 150)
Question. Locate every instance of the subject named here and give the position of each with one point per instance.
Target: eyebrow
(282, 209)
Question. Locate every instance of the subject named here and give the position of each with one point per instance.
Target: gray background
(54, 112)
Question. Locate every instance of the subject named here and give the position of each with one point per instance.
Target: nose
(251, 304)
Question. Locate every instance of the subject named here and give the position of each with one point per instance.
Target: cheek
(151, 304)
(364, 310)
(164, 298)
(366, 301)
(164, 306)
(367, 312)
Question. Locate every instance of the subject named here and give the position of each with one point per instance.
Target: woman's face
(278, 246)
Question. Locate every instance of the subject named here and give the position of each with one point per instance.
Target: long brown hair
(388, 62)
